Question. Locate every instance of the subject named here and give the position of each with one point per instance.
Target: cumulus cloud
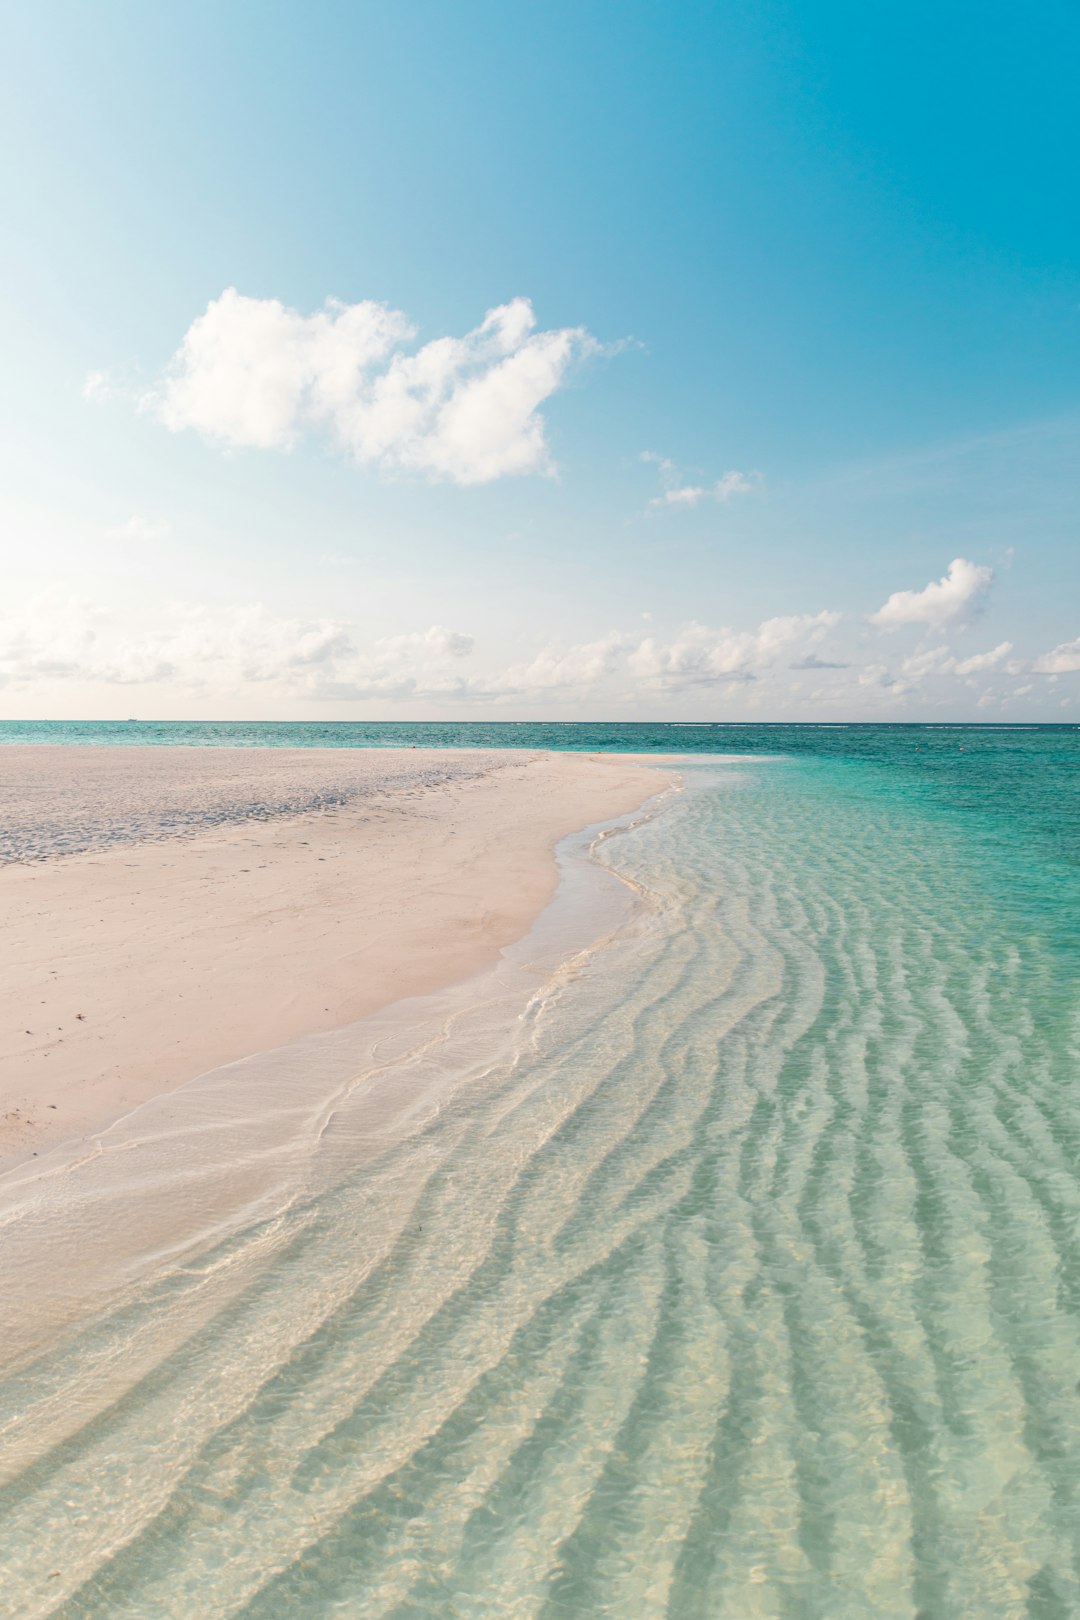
(558, 667)
(217, 652)
(878, 675)
(57, 639)
(941, 602)
(252, 372)
(51, 637)
(222, 651)
(775, 635)
(812, 661)
(1062, 660)
(940, 661)
(680, 495)
(723, 489)
(699, 656)
(980, 662)
(735, 483)
(437, 640)
(928, 662)
(98, 387)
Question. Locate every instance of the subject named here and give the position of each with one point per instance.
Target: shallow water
(735, 1271)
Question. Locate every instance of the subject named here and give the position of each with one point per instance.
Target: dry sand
(164, 911)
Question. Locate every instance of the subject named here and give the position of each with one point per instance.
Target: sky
(575, 361)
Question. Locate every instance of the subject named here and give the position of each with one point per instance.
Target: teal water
(737, 1274)
(1029, 772)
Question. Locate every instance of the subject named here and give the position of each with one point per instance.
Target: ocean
(717, 1255)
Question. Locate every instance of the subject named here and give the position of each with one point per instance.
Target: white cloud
(252, 372)
(812, 661)
(979, 662)
(735, 483)
(1062, 660)
(940, 661)
(940, 602)
(680, 495)
(98, 387)
(437, 640)
(558, 667)
(238, 646)
(777, 634)
(877, 675)
(699, 656)
(275, 661)
(221, 651)
(928, 662)
(50, 637)
(725, 488)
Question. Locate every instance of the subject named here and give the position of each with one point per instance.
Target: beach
(707, 1248)
(166, 911)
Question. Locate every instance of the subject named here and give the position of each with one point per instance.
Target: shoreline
(200, 1179)
(277, 924)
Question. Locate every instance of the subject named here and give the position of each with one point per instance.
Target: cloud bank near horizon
(57, 642)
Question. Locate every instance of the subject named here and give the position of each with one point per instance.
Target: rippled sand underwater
(741, 1279)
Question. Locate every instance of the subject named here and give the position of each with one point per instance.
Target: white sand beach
(168, 910)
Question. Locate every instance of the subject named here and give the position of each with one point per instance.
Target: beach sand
(167, 910)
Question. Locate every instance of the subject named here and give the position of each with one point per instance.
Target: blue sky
(816, 262)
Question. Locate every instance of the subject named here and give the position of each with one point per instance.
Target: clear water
(737, 1273)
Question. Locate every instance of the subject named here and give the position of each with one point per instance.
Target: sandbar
(167, 910)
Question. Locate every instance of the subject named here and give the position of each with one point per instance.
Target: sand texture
(164, 911)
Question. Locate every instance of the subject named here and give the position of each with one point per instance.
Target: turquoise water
(1026, 773)
(737, 1274)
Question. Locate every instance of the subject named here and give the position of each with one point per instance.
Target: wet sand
(167, 910)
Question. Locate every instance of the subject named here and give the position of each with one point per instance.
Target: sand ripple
(742, 1279)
